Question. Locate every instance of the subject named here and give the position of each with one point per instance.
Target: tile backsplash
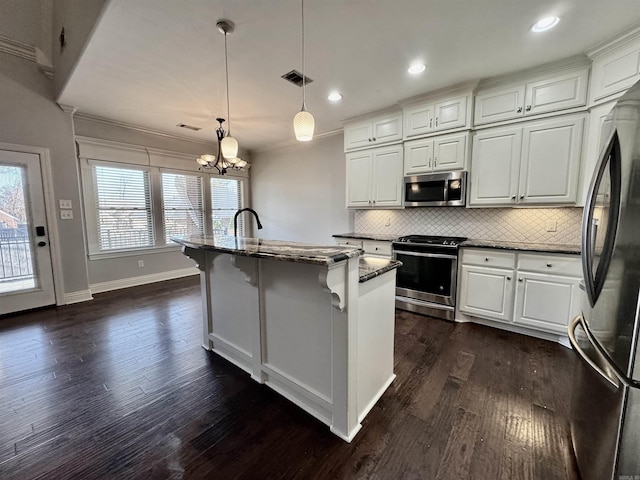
(504, 224)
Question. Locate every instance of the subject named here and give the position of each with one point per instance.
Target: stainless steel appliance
(426, 281)
(605, 410)
(436, 190)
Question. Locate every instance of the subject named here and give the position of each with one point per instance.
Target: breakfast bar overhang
(315, 323)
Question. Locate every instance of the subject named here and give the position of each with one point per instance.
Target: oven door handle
(430, 255)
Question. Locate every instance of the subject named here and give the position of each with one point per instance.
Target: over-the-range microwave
(447, 189)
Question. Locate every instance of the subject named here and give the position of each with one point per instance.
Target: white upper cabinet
(532, 164)
(435, 154)
(539, 95)
(376, 131)
(436, 115)
(616, 66)
(374, 178)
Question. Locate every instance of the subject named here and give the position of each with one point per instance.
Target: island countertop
(274, 249)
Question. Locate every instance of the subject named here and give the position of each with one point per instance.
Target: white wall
(299, 191)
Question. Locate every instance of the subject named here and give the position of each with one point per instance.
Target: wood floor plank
(119, 387)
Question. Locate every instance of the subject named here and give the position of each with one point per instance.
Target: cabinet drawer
(568, 265)
(377, 248)
(488, 258)
(352, 242)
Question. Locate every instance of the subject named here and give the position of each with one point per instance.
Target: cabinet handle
(508, 278)
(486, 259)
(520, 280)
(528, 109)
(549, 265)
(519, 110)
(436, 121)
(435, 162)
(431, 123)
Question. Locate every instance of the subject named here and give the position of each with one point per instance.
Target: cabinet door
(387, 129)
(418, 120)
(615, 71)
(551, 152)
(450, 152)
(495, 166)
(499, 104)
(556, 93)
(418, 157)
(359, 169)
(387, 176)
(357, 135)
(546, 302)
(451, 114)
(486, 292)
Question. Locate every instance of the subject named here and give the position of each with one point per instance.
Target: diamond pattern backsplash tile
(502, 224)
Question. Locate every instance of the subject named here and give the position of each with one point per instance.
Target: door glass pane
(16, 252)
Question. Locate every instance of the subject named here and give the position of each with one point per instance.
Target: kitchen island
(315, 323)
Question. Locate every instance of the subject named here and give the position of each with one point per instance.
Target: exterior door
(26, 274)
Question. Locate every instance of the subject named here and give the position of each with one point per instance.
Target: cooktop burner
(431, 240)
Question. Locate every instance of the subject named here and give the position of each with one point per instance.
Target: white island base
(311, 332)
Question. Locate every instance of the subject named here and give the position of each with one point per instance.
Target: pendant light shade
(303, 122)
(303, 126)
(229, 146)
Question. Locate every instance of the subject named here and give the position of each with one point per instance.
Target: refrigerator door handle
(573, 324)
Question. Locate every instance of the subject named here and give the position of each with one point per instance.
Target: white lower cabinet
(532, 290)
(372, 248)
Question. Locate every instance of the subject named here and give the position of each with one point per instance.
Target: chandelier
(227, 157)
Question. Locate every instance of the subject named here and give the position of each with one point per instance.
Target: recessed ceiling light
(545, 24)
(335, 96)
(416, 68)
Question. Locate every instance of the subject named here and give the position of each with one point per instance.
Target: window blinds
(123, 208)
(182, 205)
(226, 199)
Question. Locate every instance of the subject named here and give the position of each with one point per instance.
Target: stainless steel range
(426, 281)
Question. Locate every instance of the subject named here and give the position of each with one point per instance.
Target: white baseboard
(77, 297)
(142, 280)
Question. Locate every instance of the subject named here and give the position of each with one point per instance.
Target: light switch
(65, 204)
(66, 214)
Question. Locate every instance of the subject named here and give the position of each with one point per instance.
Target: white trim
(77, 297)
(50, 210)
(609, 45)
(28, 52)
(142, 280)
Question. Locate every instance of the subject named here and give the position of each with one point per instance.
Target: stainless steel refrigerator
(605, 410)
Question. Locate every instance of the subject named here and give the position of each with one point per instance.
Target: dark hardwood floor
(120, 387)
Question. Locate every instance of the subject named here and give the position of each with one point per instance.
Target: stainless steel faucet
(235, 218)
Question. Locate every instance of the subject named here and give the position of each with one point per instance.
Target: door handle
(42, 244)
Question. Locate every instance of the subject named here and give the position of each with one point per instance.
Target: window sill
(134, 253)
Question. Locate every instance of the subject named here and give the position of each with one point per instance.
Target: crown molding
(26, 51)
(617, 42)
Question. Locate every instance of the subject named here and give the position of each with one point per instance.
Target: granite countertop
(529, 247)
(371, 267)
(274, 249)
(368, 236)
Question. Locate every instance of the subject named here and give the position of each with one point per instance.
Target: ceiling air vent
(190, 127)
(296, 77)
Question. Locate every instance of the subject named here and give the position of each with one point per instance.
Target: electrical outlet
(65, 204)
(140, 263)
(66, 214)
(387, 222)
(552, 226)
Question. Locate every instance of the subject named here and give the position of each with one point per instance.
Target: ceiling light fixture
(417, 68)
(335, 97)
(303, 122)
(544, 24)
(227, 157)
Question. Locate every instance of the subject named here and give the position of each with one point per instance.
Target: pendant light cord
(226, 69)
(304, 79)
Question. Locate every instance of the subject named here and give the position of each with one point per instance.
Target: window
(123, 208)
(226, 200)
(182, 205)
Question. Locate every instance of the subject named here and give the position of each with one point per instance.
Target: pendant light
(303, 122)
(229, 145)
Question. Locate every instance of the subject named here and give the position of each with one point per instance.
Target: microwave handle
(446, 190)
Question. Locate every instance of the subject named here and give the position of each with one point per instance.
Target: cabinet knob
(519, 110)
(374, 139)
(521, 197)
(486, 259)
(508, 278)
(549, 265)
(369, 139)
(520, 280)
(513, 197)
(376, 249)
(528, 109)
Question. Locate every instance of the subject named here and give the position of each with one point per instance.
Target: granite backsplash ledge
(502, 224)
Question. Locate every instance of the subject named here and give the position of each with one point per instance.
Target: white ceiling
(156, 63)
